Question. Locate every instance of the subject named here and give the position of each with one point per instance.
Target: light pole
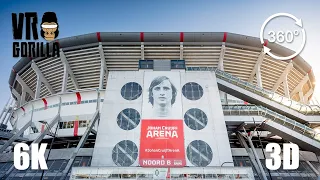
(47, 126)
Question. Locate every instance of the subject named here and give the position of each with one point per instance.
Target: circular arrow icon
(298, 22)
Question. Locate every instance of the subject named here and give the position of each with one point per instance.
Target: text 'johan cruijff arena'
(161, 105)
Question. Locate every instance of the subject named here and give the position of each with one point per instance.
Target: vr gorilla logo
(49, 26)
(49, 31)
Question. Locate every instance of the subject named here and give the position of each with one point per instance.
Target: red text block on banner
(162, 143)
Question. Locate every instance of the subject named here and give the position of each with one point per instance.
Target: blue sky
(81, 17)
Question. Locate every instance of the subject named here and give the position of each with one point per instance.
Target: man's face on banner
(162, 93)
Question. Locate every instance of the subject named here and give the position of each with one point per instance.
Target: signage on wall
(162, 136)
(162, 143)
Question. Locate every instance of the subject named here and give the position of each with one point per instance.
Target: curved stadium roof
(122, 51)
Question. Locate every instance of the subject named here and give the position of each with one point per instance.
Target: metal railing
(297, 106)
(273, 116)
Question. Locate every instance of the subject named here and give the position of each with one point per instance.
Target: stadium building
(161, 105)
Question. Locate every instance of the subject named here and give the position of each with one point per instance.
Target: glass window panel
(177, 64)
(131, 91)
(195, 119)
(60, 125)
(125, 153)
(199, 153)
(146, 64)
(192, 91)
(77, 162)
(128, 119)
(85, 161)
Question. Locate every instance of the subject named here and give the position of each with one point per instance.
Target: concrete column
(181, 50)
(67, 71)
(256, 69)
(17, 95)
(301, 97)
(299, 87)
(38, 88)
(65, 79)
(142, 51)
(103, 66)
(221, 57)
(286, 87)
(307, 95)
(221, 67)
(23, 97)
(258, 75)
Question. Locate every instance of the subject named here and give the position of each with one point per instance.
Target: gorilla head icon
(49, 26)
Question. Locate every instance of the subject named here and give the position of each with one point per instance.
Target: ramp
(278, 124)
(256, 95)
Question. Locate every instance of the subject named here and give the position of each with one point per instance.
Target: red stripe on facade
(224, 37)
(245, 102)
(45, 103)
(23, 109)
(78, 97)
(42, 127)
(76, 127)
(168, 173)
(141, 37)
(99, 36)
(181, 37)
(265, 43)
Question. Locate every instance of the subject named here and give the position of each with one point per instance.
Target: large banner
(162, 143)
(162, 137)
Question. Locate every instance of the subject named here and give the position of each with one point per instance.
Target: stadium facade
(161, 105)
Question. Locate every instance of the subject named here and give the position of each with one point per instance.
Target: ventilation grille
(240, 62)
(201, 55)
(122, 58)
(85, 65)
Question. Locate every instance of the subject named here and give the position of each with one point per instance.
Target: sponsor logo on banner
(162, 136)
(162, 143)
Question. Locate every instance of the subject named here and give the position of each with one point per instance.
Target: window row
(149, 64)
(200, 68)
(71, 124)
(232, 101)
(65, 125)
